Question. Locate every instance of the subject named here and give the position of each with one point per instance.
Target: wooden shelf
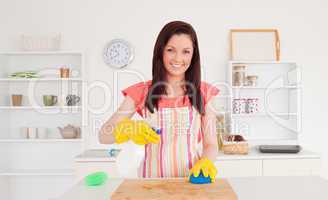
(37, 172)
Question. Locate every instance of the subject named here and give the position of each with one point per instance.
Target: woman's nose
(178, 57)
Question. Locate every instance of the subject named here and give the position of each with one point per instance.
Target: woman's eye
(186, 52)
(169, 50)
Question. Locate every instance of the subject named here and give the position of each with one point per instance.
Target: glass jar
(238, 76)
(251, 80)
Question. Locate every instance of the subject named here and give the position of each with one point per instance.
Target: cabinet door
(291, 167)
(82, 169)
(239, 168)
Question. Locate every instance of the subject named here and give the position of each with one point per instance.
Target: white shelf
(37, 172)
(38, 107)
(278, 92)
(260, 62)
(39, 140)
(264, 88)
(13, 53)
(24, 158)
(37, 79)
(262, 114)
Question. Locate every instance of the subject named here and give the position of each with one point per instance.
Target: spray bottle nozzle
(157, 130)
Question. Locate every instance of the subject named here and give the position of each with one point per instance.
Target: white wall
(88, 25)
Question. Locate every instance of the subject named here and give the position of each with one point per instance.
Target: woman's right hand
(137, 131)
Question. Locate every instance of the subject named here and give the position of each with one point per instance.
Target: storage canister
(238, 76)
(251, 80)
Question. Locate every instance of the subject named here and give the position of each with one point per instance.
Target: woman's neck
(174, 80)
(175, 86)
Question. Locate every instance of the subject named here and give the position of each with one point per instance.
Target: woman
(176, 101)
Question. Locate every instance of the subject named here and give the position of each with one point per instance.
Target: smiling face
(177, 55)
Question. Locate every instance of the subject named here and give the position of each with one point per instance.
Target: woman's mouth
(177, 65)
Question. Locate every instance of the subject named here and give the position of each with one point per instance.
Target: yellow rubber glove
(138, 131)
(206, 166)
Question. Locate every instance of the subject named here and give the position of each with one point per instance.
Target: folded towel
(24, 74)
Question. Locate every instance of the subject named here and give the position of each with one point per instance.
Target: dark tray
(280, 148)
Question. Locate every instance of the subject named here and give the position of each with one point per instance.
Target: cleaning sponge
(201, 179)
(95, 179)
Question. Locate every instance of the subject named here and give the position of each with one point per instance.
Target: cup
(29, 132)
(16, 99)
(72, 99)
(24, 132)
(4, 100)
(49, 100)
(42, 132)
(64, 72)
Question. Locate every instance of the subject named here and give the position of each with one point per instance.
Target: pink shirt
(138, 92)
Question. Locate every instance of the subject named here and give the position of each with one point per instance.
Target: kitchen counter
(101, 155)
(255, 154)
(250, 188)
(95, 155)
(255, 163)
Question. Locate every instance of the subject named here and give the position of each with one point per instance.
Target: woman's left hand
(206, 166)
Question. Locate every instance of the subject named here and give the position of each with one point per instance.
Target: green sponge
(95, 179)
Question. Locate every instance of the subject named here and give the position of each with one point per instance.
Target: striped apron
(180, 145)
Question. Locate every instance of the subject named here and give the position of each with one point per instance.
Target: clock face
(118, 53)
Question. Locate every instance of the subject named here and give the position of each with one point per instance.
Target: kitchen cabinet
(291, 167)
(304, 163)
(239, 168)
(269, 167)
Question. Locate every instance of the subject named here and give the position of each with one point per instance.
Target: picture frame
(254, 44)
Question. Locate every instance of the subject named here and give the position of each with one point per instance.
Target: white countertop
(99, 155)
(255, 154)
(251, 188)
(95, 155)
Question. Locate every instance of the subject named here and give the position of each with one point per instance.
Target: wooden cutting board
(173, 189)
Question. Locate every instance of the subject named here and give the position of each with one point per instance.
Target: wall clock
(118, 53)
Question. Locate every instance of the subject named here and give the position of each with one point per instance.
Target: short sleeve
(138, 93)
(208, 91)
